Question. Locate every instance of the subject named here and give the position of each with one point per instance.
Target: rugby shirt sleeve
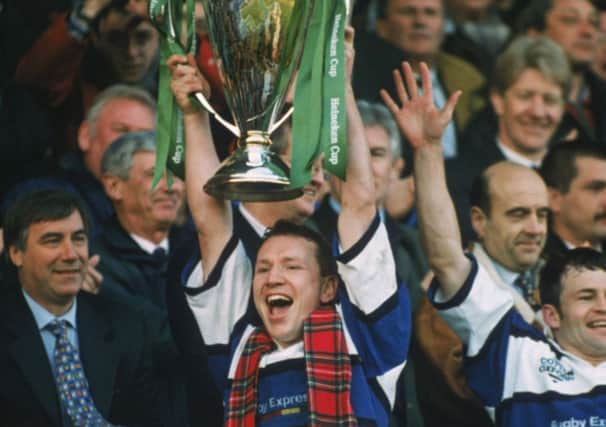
(376, 308)
(477, 308)
(480, 314)
(368, 269)
(220, 302)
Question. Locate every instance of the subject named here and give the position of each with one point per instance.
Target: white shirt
(254, 223)
(517, 158)
(149, 246)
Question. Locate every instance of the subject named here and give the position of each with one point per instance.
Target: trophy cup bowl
(257, 46)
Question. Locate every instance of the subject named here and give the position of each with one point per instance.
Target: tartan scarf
(328, 374)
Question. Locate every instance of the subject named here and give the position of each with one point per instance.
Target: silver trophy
(257, 45)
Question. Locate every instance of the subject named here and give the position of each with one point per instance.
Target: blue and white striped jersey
(522, 377)
(376, 319)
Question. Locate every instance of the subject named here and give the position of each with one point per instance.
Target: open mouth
(597, 324)
(278, 303)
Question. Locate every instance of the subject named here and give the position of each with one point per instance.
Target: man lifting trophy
(259, 46)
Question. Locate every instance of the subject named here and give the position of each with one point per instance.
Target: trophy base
(252, 173)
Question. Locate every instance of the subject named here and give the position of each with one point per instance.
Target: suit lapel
(29, 354)
(97, 349)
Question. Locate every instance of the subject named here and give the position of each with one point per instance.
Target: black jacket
(115, 356)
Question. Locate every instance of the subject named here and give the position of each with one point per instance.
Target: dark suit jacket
(376, 59)
(113, 352)
(554, 245)
(597, 105)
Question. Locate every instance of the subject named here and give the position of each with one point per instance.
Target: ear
(496, 99)
(555, 200)
(84, 137)
(16, 255)
(328, 289)
(478, 220)
(113, 187)
(551, 316)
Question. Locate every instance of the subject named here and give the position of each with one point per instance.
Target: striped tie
(71, 382)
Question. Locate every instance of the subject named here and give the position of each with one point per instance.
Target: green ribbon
(170, 135)
(319, 119)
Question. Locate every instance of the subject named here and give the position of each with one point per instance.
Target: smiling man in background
(574, 25)
(70, 358)
(528, 95)
(135, 244)
(522, 377)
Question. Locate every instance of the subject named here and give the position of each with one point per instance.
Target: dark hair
(559, 167)
(559, 264)
(479, 195)
(326, 262)
(534, 15)
(39, 206)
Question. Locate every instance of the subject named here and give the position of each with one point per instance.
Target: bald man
(509, 209)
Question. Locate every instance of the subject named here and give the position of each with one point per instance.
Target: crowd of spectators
(456, 277)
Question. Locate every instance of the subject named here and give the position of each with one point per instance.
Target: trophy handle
(204, 102)
(282, 120)
(172, 32)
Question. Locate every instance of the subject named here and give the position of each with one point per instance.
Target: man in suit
(509, 214)
(114, 111)
(415, 29)
(574, 25)
(520, 375)
(135, 243)
(528, 95)
(46, 321)
(575, 174)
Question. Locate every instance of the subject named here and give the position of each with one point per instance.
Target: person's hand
(92, 279)
(350, 53)
(186, 79)
(420, 122)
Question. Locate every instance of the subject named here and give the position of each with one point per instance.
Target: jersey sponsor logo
(555, 370)
(592, 421)
(283, 405)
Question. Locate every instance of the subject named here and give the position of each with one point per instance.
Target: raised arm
(423, 125)
(358, 197)
(211, 216)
